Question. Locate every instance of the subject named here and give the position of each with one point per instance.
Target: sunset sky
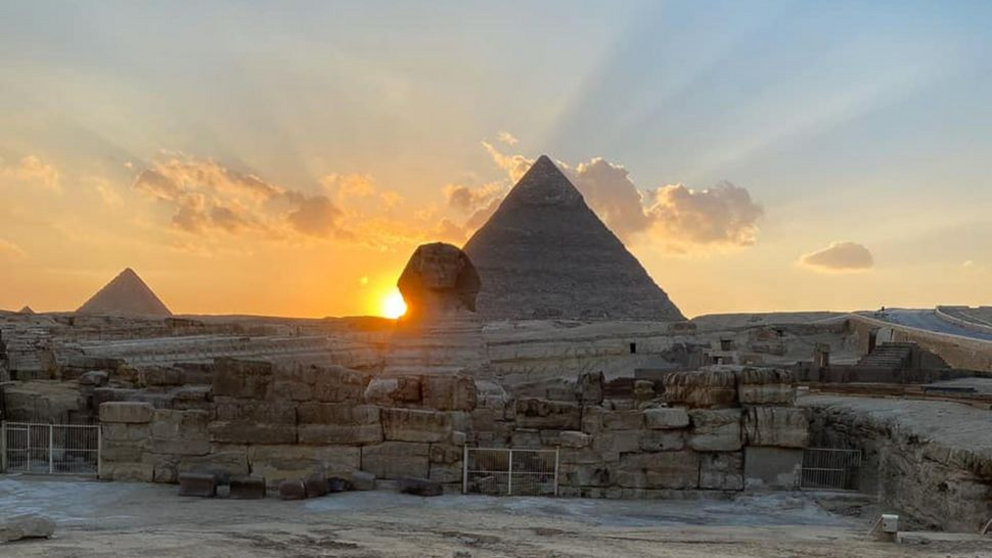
(285, 158)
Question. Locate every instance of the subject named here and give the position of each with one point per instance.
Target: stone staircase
(892, 356)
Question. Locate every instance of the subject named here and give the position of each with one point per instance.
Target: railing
(830, 469)
(50, 449)
(511, 472)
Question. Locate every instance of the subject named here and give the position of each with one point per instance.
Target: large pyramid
(126, 295)
(545, 254)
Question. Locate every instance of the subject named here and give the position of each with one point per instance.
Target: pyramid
(27, 310)
(126, 295)
(545, 254)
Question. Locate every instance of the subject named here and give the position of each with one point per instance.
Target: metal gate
(50, 449)
(830, 469)
(512, 472)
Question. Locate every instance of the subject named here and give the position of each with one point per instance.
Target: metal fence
(830, 469)
(511, 472)
(51, 449)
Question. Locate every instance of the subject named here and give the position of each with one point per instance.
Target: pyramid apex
(126, 294)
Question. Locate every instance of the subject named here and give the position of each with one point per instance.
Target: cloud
(507, 138)
(9, 249)
(839, 257)
(110, 197)
(208, 198)
(470, 199)
(679, 218)
(31, 169)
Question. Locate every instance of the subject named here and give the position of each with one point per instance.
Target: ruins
(545, 334)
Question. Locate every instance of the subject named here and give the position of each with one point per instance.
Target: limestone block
(292, 489)
(659, 470)
(547, 415)
(362, 480)
(592, 419)
(705, 388)
(94, 378)
(598, 474)
(253, 411)
(450, 393)
(224, 461)
(526, 438)
(392, 460)
(249, 433)
(129, 472)
(722, 471)
(200, 485)
(247, 488)
(458, 438)
(483, 420)
(345, 435)
(243, 379)
(574, 439)
(585, 456)
(662, 440)
(766, 387)
(550, 437)
(644, 390)
(663, 418)
(16, 527)
(413, 425)
(420, 487)
(589, 387)
(126, 450)
(338, 384)
(131, 412)
(716, 430)
(446, 453)
(446, 472)
(617, 441)
(187, 425)
(280, 462)
(179, 446)
(337, 413)
(785, 427)
(316, 486)
(291, 391)
(623, 420)
(393, 391)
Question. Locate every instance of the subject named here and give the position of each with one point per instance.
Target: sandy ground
(123, 520)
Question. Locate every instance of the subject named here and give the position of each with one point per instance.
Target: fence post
(51, 449)
(3, 447)
(556, 471)
(465, 469)
(99, 450)
(509, 476)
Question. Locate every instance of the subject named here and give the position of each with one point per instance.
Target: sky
(286, 158)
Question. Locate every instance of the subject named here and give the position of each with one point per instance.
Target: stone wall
(930, 461)
(285, 422)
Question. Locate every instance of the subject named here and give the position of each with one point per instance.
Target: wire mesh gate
(830, 469)
(511, 472)
(51, 449)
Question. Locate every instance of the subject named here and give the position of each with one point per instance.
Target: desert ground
(123, 520)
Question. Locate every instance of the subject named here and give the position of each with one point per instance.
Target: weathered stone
(722, 471)
(316, 487)
(445, 453)
(623, 420)
(25, 526)
(666, 418)
(292, 489)
(126, 412)
(362, 480)
(247, 488)
(766, 387)
(187, 425)
(526, 438)
(716, 430)
(338, 484)
(391, 391)
(129, 472)
(412, 425)
(250, 433)
(122, 451)
(705, 388)
(617, 441)
(94, 378)
(201, 485)
(224, 461)
(251, 411)
(337, 413)
(544, 414)
(662, 440)
(242, 379)
(338, 384)
(659, 470)
(277, 463)
(446, 473)
(392, 460)
(420, 487)
(458, 438)
(449, 393)
(644, 390)
(179, 447)
(344, 435)
(786, 427)
(574, 439)
(589, 388)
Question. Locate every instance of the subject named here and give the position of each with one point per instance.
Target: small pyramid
(545, 254)
(26, 310)
(126, 295)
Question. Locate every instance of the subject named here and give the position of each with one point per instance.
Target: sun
(393, 305)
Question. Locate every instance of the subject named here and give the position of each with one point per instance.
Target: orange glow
(393, 305)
